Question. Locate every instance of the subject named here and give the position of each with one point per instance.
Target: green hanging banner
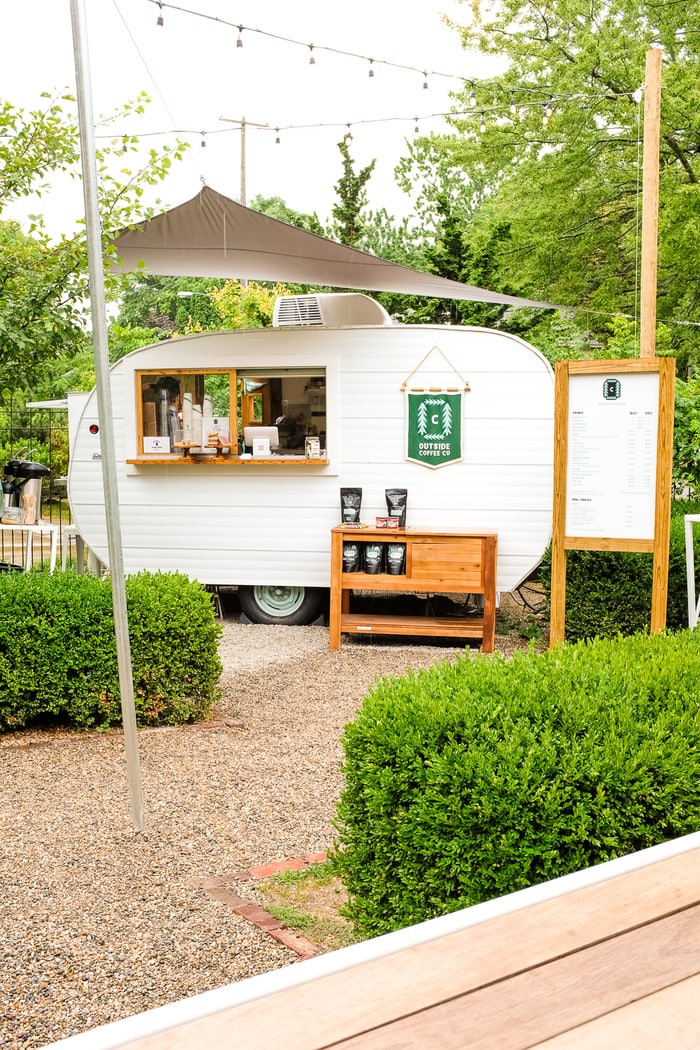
(433, 427)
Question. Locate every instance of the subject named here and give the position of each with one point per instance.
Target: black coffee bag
(350, 503)
(396, 558)
(374, 557)
(351, 557)
(396, 504)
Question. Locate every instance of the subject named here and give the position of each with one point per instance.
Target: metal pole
(104, 407)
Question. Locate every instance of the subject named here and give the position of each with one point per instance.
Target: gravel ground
(100, 923)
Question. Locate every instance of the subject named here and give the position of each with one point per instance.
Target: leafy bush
(476, 779)
(609, 592)
(58, 659)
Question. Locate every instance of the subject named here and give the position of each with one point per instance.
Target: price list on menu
(612, 441)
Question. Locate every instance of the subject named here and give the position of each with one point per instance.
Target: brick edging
(217, 889)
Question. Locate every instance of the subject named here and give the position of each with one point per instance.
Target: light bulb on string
(371, 70)
(239, 42)
(416, 129)
(159, 20)
(312, 59)
(348, 135)
(548, 107)
(203, 143)
(482, 122)
(472, 97)
(513, 107)
(425, 82)
(545, 116)
(124, 143)
(277, 140)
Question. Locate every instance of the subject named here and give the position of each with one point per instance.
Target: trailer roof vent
(328, 310)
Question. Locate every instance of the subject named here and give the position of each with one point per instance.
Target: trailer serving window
(205, 415)
(293, 400)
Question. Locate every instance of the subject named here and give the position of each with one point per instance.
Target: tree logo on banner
(434, 428)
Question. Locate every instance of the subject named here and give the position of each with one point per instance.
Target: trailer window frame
(163, 435)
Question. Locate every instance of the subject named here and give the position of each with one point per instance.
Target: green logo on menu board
(611, 389)
(434, 428)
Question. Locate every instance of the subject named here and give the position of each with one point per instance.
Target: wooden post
(650, 203)
(557, 618)
(662, 518)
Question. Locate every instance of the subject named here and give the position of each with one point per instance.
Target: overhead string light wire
(509, 91)
(487, 112)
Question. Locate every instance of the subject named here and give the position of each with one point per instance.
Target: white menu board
(611, 469)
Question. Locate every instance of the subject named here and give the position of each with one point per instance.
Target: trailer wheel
(291, 606)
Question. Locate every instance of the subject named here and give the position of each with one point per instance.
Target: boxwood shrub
(58, 662)
(471, 780)
(609, 592)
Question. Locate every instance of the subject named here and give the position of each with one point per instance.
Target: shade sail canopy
(213, 236)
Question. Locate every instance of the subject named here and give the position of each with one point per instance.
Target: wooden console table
(435, 563)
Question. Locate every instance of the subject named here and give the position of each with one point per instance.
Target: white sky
(195, 74)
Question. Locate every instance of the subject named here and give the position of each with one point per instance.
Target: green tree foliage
(570, 187)
(349, 226)
(43, 281)
(166, 305)
(247, 306)
(276, 208)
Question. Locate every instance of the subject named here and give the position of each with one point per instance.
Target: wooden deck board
(532, 974)
(669, 1018)
(531, 1007)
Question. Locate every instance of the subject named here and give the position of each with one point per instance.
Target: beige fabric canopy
(213, 236)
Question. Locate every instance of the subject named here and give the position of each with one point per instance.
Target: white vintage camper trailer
(258, 514)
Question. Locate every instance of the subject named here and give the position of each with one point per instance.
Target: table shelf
(435, 563)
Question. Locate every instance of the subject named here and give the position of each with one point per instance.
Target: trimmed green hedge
(58, 660)
(609, 592)
(469, 781)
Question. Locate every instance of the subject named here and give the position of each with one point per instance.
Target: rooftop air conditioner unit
(328, 310)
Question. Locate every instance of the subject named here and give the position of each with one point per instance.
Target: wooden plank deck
(613, 964)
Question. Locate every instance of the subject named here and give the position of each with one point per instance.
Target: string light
(124, 144)
(203, 143)
(371, 71)
(277, 139)
(416, 129)
(482, 123)
(159, 20)
(545, 116)
(545, 108)
(350, 54)
(348, 135)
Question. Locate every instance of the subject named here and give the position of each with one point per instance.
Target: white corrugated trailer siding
(270, 525)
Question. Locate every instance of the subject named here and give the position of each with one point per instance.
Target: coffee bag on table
(396, 504)
(350, 503)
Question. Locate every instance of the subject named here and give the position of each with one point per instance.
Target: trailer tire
(289, 606)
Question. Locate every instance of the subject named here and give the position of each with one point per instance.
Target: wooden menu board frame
(661, 372)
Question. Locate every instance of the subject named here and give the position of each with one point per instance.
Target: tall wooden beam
(650, 203)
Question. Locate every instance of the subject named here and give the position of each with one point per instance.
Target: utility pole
(243, 124)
